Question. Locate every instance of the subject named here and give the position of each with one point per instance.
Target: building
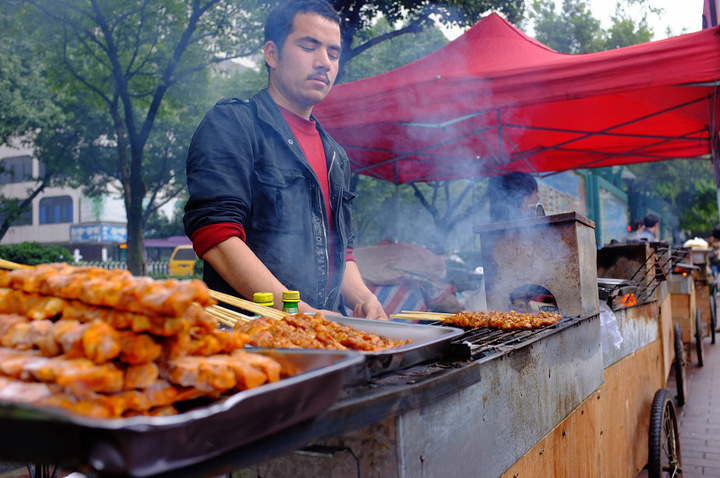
(92, 229)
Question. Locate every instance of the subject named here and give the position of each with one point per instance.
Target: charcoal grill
(629, 274)
(476, 344)
(555, 253)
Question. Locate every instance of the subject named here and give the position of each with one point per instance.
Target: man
(636, 228)
(513, 196)
(651, 232)
(270, 200)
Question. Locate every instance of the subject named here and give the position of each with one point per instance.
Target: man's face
(530, 203)
(302, 74)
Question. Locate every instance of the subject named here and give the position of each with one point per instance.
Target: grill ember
(107, 344)
(502, 320)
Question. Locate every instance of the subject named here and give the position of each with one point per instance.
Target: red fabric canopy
(495, 100)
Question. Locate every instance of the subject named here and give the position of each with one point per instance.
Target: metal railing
(154, 267)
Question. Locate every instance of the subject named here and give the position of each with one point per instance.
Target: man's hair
(651, 219)
(716, 232)
(519, 184)
(279, 22)
(636, 223)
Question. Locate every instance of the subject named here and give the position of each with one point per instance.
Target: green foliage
(130, 77)
(394, 52)
(358, 18)
(33, 253)
(687, 186)
(437, 215)
(574, 29)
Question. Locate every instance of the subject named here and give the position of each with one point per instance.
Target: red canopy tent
(495, 100)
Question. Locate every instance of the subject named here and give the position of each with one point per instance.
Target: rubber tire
(699, 337)
(713, 315)
(664, 458)
(680, 375)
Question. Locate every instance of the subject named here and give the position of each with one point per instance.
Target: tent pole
(715, 142)
(396, 201)
(715, 157)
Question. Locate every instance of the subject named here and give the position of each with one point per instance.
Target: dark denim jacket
(245, 166)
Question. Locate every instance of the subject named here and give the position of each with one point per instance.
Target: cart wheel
(664, 442)
(680, 376)
(699, 337)
(713, 316)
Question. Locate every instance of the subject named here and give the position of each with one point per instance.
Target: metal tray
(142, 446)
(429, 343)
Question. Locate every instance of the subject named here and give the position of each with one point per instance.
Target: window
(15, 170)
(55, 210)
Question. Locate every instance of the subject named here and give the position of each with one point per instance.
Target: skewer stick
(227, 315)
(249, 305)
(5, 264)
(420, 315)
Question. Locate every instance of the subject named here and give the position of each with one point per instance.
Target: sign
(98, 233)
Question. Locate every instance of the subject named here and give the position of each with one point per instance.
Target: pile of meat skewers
(107, 344)
(303, 331)
(502, 320)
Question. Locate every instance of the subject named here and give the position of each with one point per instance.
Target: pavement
(699, 418)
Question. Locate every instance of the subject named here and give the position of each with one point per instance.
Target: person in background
(651, 232)
(270, 201)
(714, 258)
(636, 228)
(513, 196)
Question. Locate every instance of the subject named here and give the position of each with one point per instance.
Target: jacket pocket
(280, 201)
(344, 222)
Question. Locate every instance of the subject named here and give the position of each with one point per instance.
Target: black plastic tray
(143, 446)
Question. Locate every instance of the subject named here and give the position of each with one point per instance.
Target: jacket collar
(269, 112)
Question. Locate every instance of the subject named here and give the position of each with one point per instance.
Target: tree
(358, 19)
(575, 30)
(126, 69)
(687, 186)
(25, 106)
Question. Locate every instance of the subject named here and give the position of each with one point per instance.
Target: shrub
(33, 253)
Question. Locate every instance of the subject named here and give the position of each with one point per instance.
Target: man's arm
(245, 273)
(358, 296)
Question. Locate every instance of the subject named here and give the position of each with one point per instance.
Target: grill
(477, 344)
(631, 273)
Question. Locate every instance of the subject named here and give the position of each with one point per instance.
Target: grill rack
(476, 344)
(642, 284)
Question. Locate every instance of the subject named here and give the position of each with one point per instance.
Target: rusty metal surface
(519, 398)
(555, 252)
(639, 326)
(468, 419)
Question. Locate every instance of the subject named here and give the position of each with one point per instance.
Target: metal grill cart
(607, 435)
(549, 402)
(703, 279)
(544, 402)
(686, 308)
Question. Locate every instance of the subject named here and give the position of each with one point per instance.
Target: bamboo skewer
(249, 305)
(220, 318)
(420, 315)
(228, 317)
(5, 264)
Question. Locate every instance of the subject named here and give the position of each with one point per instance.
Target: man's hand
(371, 309)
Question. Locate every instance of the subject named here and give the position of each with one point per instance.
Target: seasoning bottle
(290, 300)
(263, 298)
